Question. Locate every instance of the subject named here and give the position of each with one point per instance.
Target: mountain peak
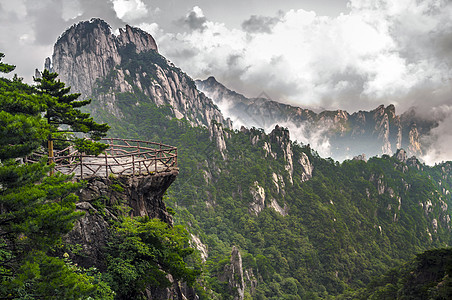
(142, 40)
(211, 79)
(89, 50)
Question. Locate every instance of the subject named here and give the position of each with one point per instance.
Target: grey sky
(320, 54)
(32, 27)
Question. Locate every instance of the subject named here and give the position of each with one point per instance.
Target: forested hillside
(269, 217)
(39, 208)
(305, 226)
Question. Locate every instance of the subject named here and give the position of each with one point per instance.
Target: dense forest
(37, 210)
(306, 227)
(314, 234)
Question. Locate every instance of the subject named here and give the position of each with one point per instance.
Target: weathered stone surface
(233, 275)
(306, 166)
(401, 155)
(88, 236)
(283, 211)
(258, 194)
(281, 137)
(143, 194)
(202, 248)
(217, 134)
(88, 52)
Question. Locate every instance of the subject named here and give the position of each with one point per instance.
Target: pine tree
(35, 210)
(63, 111)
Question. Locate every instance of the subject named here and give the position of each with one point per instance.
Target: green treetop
(62, 109)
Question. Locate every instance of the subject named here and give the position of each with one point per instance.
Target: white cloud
(151, 28)
(129, 10)
(375, 54)
(71, 10)
(439, 140)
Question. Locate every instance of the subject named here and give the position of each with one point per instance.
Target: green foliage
(428, 276)
(330, 240)
(36, 210)
(5, 68)
(141, 254)
(62, 109)
(349, 223)
(41, 276)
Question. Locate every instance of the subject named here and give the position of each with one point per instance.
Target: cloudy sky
(329, 54)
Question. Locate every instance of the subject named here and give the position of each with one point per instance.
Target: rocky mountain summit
(345, 135)
(89, 48)
(96, 63)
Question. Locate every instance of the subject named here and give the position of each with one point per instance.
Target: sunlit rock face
(98, 64)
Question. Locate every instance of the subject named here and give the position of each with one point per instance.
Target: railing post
(51, 158)
(156, 161)
(133, 165)
(175, 159)
(106, 164)
(81, 166)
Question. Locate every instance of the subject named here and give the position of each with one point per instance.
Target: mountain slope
(336, 133)
(304, 226)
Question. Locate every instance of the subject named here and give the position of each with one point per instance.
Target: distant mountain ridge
(375, 132)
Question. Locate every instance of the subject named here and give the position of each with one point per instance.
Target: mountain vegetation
(306, 226)
(38, 210)
(257, 216)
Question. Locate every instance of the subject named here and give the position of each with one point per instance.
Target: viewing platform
(122, 157)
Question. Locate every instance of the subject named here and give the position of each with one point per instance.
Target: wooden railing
(122, 157)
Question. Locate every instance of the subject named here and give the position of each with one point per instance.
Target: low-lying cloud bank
(382, 52)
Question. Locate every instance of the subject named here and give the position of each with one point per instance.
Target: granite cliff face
(88, 51)
(98, 64)
(233, 275)
(375, 132)
(142, 195)
(137, 196)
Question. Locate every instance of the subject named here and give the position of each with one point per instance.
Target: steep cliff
(98, 64)
(105, 201)
(233, 275)
(376, 132)
(137, 195)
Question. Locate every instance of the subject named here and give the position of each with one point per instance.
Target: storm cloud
(195, 19)
(377, 54)
(259, 24)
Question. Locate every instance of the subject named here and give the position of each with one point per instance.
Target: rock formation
(233, 275)
(280, 136)
(142, 194)
(98, 64)
(375, 132)
(138, 196)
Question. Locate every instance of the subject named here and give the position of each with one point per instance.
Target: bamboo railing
(122, 157)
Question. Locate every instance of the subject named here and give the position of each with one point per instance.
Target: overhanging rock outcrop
(100, 199)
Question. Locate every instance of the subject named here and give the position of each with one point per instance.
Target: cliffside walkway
(122, 157)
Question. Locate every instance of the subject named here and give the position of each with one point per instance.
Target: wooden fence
(122, 157)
